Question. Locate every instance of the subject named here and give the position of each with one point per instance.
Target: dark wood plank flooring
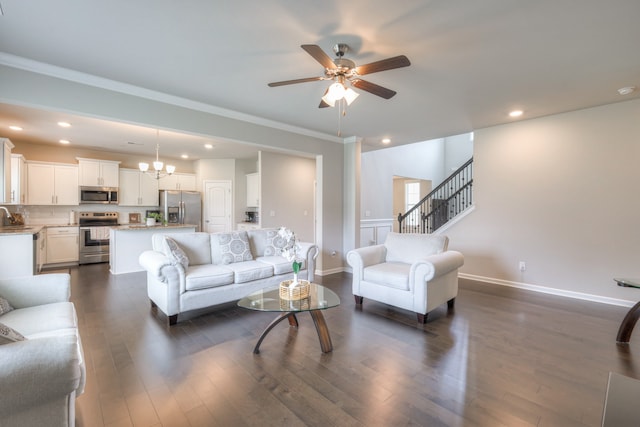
(503, 357)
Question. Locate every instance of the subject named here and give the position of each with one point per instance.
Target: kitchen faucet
(8, 214)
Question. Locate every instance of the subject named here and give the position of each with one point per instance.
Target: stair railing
(442, 204)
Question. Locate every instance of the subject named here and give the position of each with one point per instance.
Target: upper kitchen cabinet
(5, 170)
(18, 180)
(178, 181)
(52, 184)
(137, 188)
(98, 173)
(253, 190)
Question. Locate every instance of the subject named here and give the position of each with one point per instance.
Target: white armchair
(411, 271)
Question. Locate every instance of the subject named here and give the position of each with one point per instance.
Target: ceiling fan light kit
(342, 70)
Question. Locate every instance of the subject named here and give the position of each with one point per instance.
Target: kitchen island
(18, 246)
(127, 242)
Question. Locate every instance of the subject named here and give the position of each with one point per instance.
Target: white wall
(560, 193)
(287, 193)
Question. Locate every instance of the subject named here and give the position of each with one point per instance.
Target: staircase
(450, 198)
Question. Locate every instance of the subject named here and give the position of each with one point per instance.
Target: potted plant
(153, 218)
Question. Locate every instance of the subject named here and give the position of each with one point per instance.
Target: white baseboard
(551, 291)
(331, 271)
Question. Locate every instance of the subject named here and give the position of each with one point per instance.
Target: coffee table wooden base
(318, 321)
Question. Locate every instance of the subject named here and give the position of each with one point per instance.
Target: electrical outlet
(522, 266)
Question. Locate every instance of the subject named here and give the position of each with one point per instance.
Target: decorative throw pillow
(9, 335)
(234, 247)
(275, 243)
(5, 307)
(176, 252)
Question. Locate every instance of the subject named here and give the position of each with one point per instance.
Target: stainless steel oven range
(94, 235)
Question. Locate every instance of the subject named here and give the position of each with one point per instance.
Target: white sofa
(216, 268)
(412, 271)
(40, 376)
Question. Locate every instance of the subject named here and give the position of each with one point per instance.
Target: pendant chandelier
(157, 171)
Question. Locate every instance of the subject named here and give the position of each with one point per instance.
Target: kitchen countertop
(11, 230)
(151, 227)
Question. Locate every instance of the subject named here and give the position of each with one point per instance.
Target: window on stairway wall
(411, 195)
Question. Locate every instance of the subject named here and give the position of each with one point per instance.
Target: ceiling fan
(341, 70)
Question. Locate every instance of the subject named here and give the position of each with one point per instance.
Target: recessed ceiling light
(64, 141)
(626, 90)
(64, 124)
(18, 128)
(386, 140)
(208, 146)
(515, 113)
(185, 156)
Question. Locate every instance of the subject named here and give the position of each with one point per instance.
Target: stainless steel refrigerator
(181, 207)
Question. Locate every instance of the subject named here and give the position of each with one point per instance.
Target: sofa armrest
(36, 371)
(30, 291)
(153, 262)
(434, 266)
(309, 252)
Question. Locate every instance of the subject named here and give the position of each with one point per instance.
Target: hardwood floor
(504, 357)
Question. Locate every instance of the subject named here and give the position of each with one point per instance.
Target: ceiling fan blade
(385, 64)
(373, 88)
(291, 82)
(319, 55)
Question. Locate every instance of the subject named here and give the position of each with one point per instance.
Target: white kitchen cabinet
(18, 180)
(137, 189)
(98, 173)
(5, 170)
(253, 190)
(178, 181)
(18, 253)
(52, 184)
(62, 244)
(246, 226)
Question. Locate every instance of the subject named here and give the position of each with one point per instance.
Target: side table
(629, 321)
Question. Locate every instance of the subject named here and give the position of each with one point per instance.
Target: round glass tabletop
(268, 299)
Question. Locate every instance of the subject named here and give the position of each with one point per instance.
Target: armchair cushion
(391, 274)
(413, 247)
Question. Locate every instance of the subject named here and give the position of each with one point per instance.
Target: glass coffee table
(629, 321)
(320, 298)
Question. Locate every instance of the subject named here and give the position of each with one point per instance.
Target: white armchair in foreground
(411, 271)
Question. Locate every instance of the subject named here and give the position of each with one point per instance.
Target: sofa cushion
(250, 270)
(9, 335)
(5, 307)
(413, 247)
(392, 274)
(175, 252)
(207, 276)
(227, 248)
(42, 318)
(280, 264)
(197, 246)
(266, 242)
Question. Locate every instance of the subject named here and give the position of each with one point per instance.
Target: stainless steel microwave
(99, 195)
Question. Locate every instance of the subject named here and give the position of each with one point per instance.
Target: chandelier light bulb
(143, 166)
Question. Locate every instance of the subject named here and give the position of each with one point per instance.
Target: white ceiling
(471, 61)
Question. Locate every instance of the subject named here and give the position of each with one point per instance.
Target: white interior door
(218, 208)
